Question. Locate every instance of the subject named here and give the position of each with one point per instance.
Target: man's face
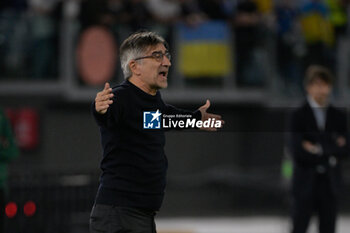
(319, 90)
(153, 72)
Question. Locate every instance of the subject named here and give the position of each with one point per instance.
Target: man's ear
(134, 67)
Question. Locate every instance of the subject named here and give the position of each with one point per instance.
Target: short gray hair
(135, 46)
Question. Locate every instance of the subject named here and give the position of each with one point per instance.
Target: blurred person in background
(44, 32)
(139, 15)
(110, 14)
(338, 16)
(94, 12)
(13, 40)
(246, 21)
(318, 143)
(266, 10)
(318, 33)
(166, 14)
(120, 16)
(191, 13)
(8, 152)
(134, 164)
(290, 46)
(215, 9)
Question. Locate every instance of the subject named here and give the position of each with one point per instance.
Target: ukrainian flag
(204, 50)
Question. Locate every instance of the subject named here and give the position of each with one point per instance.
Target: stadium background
(247, 57)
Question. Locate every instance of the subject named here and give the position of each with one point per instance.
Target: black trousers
(114, 219)
(323, 202)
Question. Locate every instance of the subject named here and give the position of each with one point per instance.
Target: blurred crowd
(293, 33)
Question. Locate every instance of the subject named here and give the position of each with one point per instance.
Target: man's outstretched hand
(103, 99)
(205, 116)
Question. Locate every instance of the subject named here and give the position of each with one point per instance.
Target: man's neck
(142, 85)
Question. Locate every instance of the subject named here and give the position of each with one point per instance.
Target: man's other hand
(312, 148)
(205, 116)
(341, 141)
(103, 99)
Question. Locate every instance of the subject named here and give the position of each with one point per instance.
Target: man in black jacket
(318, 142)
(134, 164)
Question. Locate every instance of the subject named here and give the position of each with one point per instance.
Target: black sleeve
(296, 135)
(336, 150)
(111, 117)
(340, 121)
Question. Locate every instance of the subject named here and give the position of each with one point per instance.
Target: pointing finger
(207, 104)
(107, 86)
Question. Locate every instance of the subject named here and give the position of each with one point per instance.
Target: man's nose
(166, 61)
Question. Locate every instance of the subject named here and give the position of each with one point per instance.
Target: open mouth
(163, 73)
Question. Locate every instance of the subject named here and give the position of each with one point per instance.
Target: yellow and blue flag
(204, 50)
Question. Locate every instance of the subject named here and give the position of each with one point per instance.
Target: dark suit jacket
(303, 126)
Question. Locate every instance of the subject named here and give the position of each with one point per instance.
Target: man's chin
(163, 85)
(322, 102)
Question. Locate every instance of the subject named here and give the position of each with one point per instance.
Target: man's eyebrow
(160, 51)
